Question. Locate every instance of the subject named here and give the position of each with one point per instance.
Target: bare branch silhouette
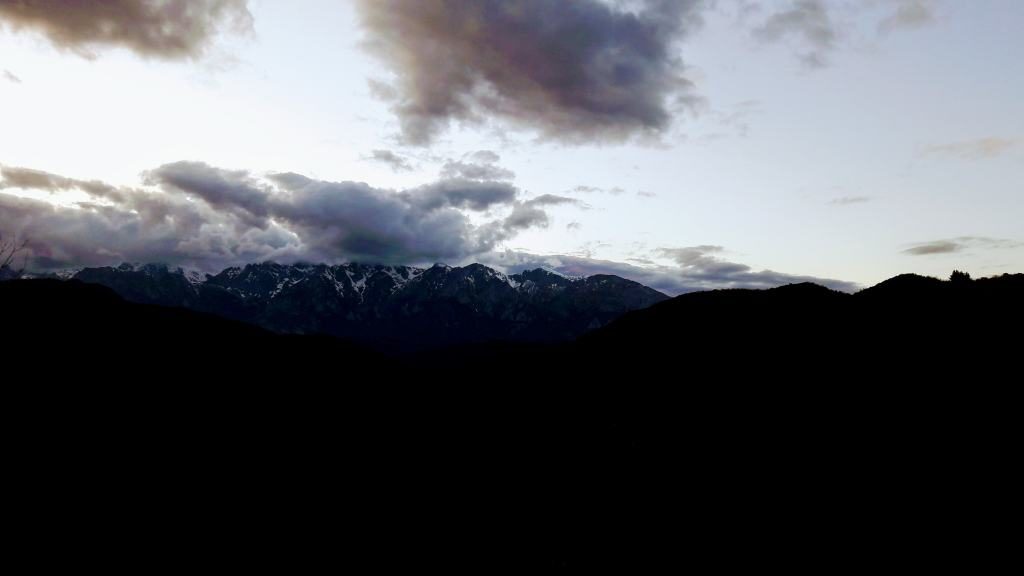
(9, 250)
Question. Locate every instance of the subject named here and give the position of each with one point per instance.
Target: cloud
(702, 267)
(909, 14)
(954, 245)
(163, 29)
(235, 192)
(816, 28)
(396, 162)
(463, 193)
(585, 70)
(615, 190)
(980, 149)
(485, 157)
(11, 177)
(531, 213)
(850, 200)
(810, 22)
(479, 165)
(10, 77)
(14, 177)
(194, 214)
(556, 200)
(939, 247)
(475, 171)
(697, 271)
(526, 216)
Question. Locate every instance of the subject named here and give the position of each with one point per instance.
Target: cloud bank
(697, 268)
(194, 214)
(200, 216)
(568, 70)
(163, 29)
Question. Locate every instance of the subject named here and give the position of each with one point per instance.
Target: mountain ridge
(396, 306)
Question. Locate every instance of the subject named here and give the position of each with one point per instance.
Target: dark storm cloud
(571, 71)
(696, 270)
(396, 162)
(166, 29)
(193, 214)
(954, 245)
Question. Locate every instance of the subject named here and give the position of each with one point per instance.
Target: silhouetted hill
(785, 408)
(802, 332)
(905, 286)
(908, 327)
(70, 328)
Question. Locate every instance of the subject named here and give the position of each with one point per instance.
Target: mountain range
(397, 307)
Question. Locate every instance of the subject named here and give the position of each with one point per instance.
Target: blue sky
(849, 140)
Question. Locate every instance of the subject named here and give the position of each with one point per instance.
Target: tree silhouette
(958, 277)
(9, 250)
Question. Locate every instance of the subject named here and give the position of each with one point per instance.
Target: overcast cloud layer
(166, 29)
(579, 70)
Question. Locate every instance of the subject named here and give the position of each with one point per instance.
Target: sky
(684, 144)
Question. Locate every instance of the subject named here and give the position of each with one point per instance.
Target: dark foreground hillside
(797, 428)
(71, 329)
(909, 330)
